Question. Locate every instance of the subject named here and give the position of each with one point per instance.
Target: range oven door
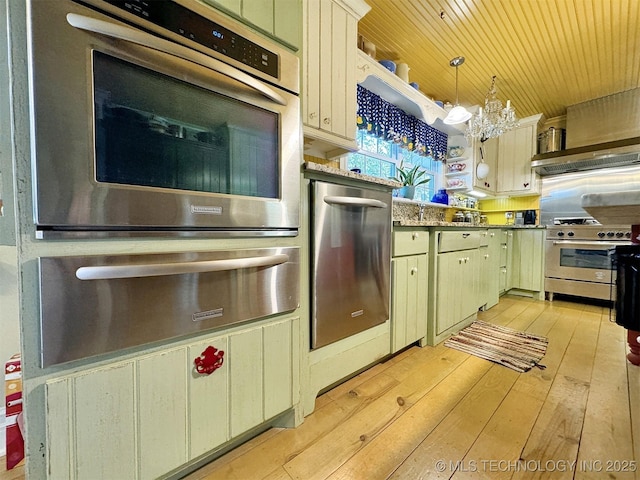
(135, 132)
(581, 260)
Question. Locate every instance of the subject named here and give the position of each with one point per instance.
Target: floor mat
(514, 349)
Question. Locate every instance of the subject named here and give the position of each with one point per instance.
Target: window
(380, 158)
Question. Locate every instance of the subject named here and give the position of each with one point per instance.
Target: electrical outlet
(508, 215)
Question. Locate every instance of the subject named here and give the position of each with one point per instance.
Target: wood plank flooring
(435, 412)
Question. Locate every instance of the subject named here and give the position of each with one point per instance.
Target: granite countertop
(338, 172)
(437, 223)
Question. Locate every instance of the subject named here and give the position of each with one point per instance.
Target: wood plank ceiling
(547, 54)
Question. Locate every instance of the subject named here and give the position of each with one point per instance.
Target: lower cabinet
(147, 416)
(527, 263)
(409, 287)
(454, 285)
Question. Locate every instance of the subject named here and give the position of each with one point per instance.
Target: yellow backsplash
(495, 208)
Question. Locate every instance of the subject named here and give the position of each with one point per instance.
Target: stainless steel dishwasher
(351, 263)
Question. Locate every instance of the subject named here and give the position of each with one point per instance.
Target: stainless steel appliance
(99, 304)
(578, 258)
(600, 133)
(351, 260)
(160, 116)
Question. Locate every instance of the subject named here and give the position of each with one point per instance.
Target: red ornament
(209, 360)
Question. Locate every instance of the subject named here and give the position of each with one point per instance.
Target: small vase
(408, 191)
(402, 71)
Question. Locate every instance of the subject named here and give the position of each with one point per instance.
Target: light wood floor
(435, 412)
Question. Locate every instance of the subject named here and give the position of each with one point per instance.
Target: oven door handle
(590, 243)
(354, 201)
(110, 272)
(134, 36)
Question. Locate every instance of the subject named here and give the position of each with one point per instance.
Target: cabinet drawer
(410, 242)
(461, 240)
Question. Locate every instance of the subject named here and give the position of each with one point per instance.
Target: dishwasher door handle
(354, 201)
(110, 272)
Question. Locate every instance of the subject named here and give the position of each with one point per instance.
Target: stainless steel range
(578, 257)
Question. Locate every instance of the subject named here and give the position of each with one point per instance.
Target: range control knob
(610, 234)
(627, 235)
(619, 234)
(601, 234)
(560, 234)
(571, 234)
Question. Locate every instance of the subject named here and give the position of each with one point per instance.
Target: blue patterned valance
(387, 121)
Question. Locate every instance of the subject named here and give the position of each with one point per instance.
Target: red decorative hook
(209, 360)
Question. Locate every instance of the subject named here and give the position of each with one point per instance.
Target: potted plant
(410, 178)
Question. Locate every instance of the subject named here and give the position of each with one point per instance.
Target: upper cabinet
(515, 149)
(330, 44)
(279, 19)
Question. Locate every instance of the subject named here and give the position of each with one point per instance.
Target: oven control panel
(188, 24)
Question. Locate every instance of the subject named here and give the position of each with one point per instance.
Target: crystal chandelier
(493, 120)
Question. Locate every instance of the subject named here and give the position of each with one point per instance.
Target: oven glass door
(579, 260)
(136, 133)
(153, 130)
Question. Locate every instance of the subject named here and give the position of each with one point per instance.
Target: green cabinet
(409, 287)
(489, 276)
(527, 263)
(146, 416)
(279, 19)
(454, 291)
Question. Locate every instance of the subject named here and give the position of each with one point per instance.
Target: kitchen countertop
(436, 223)
(346, 174)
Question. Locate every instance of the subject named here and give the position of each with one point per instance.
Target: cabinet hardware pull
(414, 270)
(414, 235)
(109, 272)
(209, 360)
(465, 235)
(134, 36)
(313, 115)
(326, 121)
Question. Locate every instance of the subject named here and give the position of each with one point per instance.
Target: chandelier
(493, 120)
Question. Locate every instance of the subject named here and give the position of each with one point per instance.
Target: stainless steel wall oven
(160, 116)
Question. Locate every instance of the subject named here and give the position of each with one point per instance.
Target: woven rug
(514, 349)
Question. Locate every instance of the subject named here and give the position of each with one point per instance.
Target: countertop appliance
(162, 116)
(578, 257)
(351, 260)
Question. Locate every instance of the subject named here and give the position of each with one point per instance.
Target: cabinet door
(448, 300)
(528, 262)
(329, 62)
(515, 149)
(162, 412)
(409, 309)
(490, 157)
(91, 424)
(208, 400)
(469, 283)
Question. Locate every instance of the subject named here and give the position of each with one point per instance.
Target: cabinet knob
(313, 115)
(326, 121)
(414, 270)
(209, 360)
(415, 235)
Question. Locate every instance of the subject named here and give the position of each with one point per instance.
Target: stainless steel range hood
(601, 133)
(618, 153)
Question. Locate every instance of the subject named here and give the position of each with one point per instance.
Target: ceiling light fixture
(493, 120)
(457, 114)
